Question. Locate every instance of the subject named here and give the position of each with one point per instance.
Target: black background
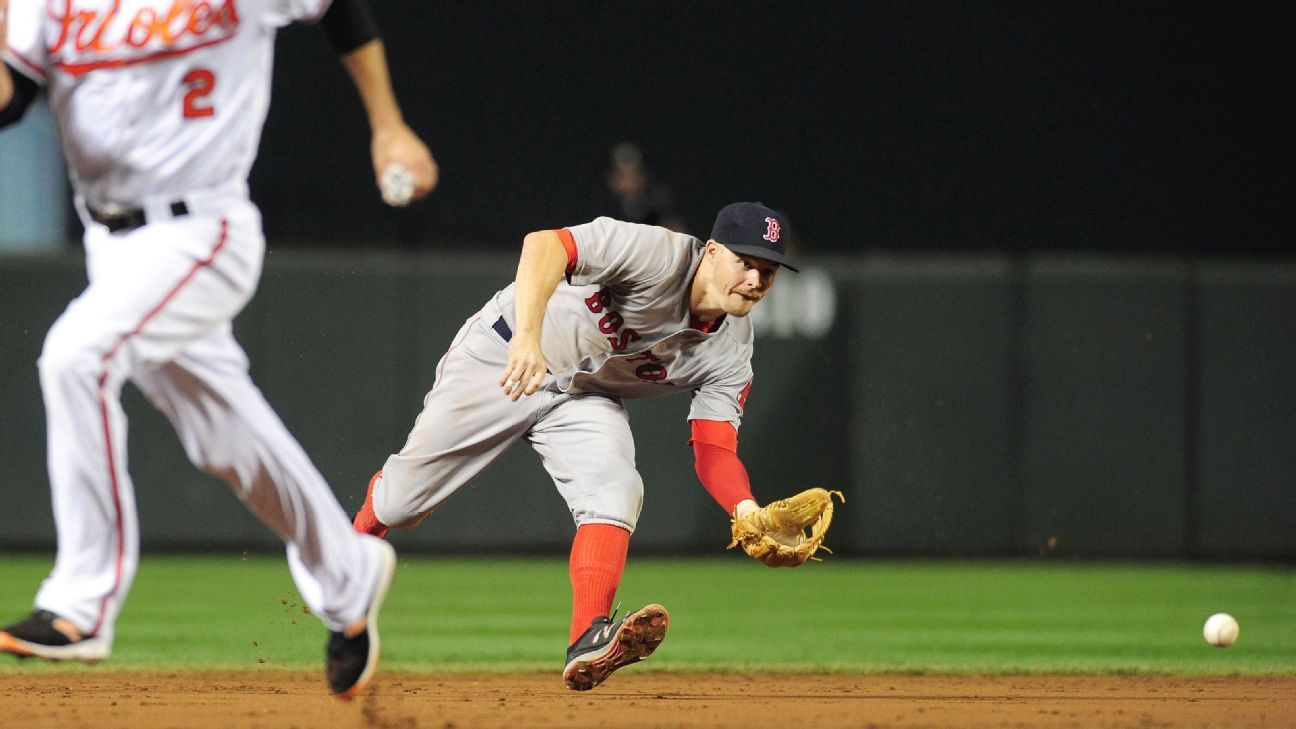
(899, 125)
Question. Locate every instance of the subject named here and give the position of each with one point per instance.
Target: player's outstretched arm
(722, 473)
(540, 268)
(397, 151)
(394, 143)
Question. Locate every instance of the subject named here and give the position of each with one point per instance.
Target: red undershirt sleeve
(715, 454)
(569, 244)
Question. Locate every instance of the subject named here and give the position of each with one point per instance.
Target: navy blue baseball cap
(753, 230)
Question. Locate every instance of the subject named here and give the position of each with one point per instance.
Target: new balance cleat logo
(607, 646)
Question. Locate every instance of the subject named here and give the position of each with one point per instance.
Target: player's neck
(704, 306)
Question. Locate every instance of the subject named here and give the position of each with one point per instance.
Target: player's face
(743, 280)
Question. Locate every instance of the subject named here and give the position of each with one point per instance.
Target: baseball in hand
(397, 186)
(1220, 630)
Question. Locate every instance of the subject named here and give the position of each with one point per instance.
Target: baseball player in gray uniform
(160, 105)
(598, 313)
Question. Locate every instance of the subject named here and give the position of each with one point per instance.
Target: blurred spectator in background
(634, 196)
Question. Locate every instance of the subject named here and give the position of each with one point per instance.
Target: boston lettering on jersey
(611, 322)
(91, 39)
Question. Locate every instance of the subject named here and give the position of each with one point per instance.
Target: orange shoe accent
(365, 520)
(598, 558)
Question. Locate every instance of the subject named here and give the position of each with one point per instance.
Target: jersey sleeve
(610, 251)
(724, 399)
(279, 13)
(26, 50)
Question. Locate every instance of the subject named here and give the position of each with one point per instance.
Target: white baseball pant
(157, 311)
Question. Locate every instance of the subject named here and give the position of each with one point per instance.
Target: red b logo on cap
(771, 230)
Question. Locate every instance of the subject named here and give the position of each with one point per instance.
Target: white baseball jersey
(620, 329)
(621, 325)
(160, 105)
(153, 97)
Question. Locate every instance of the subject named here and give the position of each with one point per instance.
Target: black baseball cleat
(607, 646)
(351, 656)
(40, 636)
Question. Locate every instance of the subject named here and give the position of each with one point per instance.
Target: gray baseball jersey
(621, 327)
(618, 328)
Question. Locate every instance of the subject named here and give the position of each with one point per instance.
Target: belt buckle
(108, 215)
(117, 218)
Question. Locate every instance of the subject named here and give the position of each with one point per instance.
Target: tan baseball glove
(776, 534)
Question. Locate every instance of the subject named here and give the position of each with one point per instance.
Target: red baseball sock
(598, 556)
(365, 520)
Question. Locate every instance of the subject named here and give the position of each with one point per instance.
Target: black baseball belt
(119, 220)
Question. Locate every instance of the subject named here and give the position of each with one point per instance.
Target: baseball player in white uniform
(598, 313)
(160, 105)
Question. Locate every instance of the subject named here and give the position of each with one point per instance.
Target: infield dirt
(274, 700)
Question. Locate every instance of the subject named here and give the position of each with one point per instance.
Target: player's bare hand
(397, 145)
(526, 369)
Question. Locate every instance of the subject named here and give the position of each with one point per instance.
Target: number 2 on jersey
(200, 83)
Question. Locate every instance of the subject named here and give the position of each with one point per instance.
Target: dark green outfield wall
(966, 405)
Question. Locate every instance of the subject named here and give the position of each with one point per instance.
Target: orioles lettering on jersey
(91, 39)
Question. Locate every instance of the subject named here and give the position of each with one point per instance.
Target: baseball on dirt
(397, 186)
(1220, 630)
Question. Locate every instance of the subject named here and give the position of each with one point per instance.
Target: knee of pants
(66, 357)
(397, 503)
(614, 501)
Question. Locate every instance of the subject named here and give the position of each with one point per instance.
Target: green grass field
(727, 614)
